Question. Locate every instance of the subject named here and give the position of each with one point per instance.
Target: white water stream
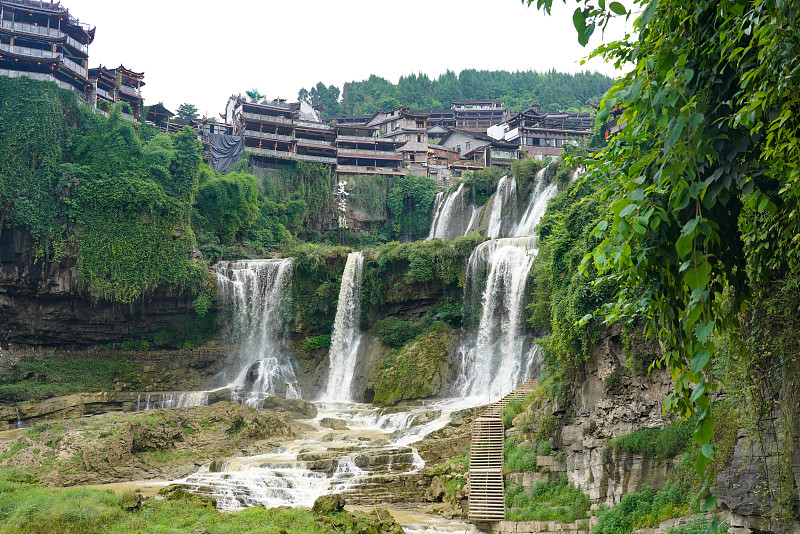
(503, 217)
(257, 292)
(343, 354)
(453, 216)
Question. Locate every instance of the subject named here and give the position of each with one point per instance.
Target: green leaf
(704, 429)
(689, 227)
(698, 391)
(617, 8)
(637, 194)
(703, 330)
(700, 360)
(630, 208)
(707, 450)
(709, 502)
(579, 20)
(684, 245)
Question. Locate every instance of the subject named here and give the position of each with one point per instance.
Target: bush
(643, 508)
(322, 341)
(661, 443)
(547, 501)
(513, 409)
(544, 448)
(520, 457)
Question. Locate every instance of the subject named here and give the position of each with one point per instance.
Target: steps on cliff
(486, 487)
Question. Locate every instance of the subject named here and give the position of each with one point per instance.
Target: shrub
(547, 501)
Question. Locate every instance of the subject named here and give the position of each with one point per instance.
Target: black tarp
(226, 151)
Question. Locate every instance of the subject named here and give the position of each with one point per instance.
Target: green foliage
(40, 379)
(513, 409)
(702, 181)
(328, 97)
(226, 205)
(519, 90)
(300, 181)
(88, 185)
(544, 448)
(27, 507)
(370, 193)
(483, 183)
(322, 341)
(660, 443)
(187, 111)
(519, 457)
(545, 501)
(524, 172)
(641, 509)
(700, 525)
(394, 272)
(416, 370)
(560, 295)
(410, 203)
(316, 278)
(34, 135)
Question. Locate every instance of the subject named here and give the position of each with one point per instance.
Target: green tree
(187, 111)
(703, 181)
(226, 205)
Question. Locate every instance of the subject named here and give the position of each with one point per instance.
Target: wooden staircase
(487, 491)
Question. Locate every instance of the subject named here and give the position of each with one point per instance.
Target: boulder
(328, 504)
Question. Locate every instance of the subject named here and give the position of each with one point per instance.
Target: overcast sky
(202, 52)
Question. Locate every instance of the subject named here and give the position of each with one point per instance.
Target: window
(458, 147)
(468, 144)
(419, 138)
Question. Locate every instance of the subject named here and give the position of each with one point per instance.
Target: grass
(32, 509)
(45, 378)
(547, 501)
(642, 509)
(519, 457)
(661, 443)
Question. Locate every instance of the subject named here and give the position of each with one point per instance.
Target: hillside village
(44, 41)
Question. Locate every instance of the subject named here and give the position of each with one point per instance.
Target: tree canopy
(552, 90)
(187, 111)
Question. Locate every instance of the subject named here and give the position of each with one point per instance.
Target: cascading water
(500, 355)
(454, 217)
(504, 206)
(541, 194)
(155, 401)
(346, 337)
(257, 292)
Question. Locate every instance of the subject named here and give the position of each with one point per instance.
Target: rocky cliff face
(42, 304)
(609, 404)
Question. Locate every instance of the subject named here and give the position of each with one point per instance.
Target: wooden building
(360, 150)
(43, 41)
(477, 115)
(409, 129)
(544, 133)
(110, 86)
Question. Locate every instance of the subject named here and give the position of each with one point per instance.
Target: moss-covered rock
(418, 370)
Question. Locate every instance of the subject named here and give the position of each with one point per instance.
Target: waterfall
(346, 332)
(504, 206)
(20, 422)
(437, 211)
(454, 216)
(500, 355)
(541, 194)
(157, 401)
(257, 293)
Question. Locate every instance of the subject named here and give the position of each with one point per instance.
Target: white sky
(202, 52)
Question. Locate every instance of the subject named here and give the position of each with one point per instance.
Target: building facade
(43, 41)
(110, 86)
